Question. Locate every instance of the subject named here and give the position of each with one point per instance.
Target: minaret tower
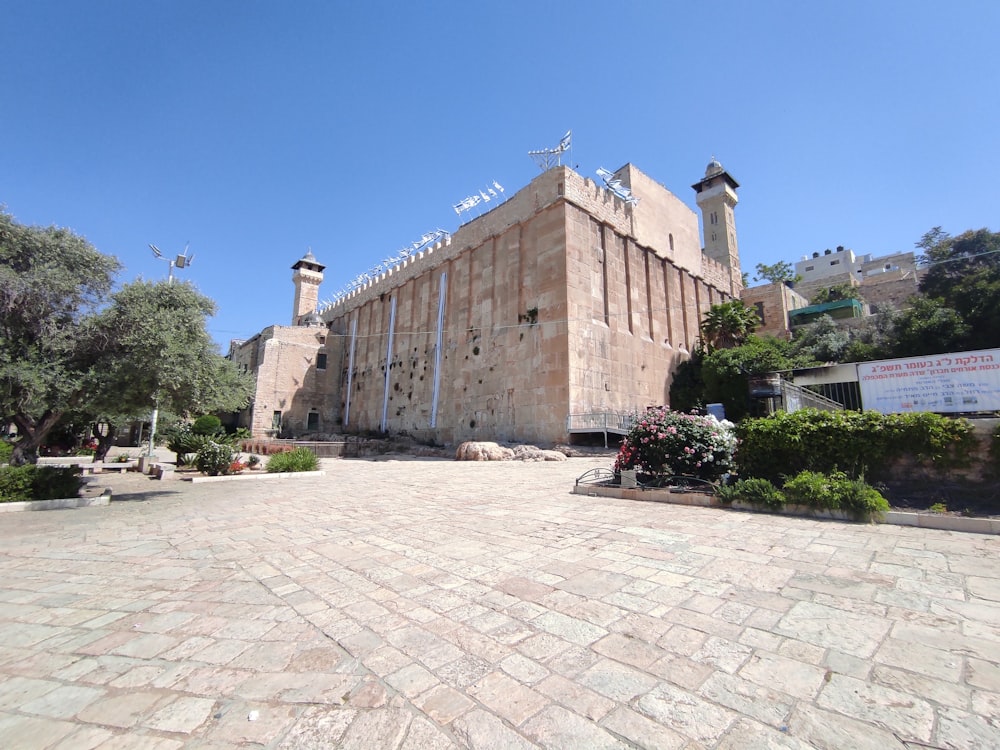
(716, 197)
(307, 278)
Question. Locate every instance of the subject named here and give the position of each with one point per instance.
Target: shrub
(298, 459)
(214, 459)
(852, 442)
(208, 424)
(253, 461)
(6, 450)
(759, 492)
(184, 442)
(668, 442)
(835, 491)
(32, 482)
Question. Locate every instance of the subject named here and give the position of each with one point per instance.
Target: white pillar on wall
(437, 348)
(388, 362)
(350, 371)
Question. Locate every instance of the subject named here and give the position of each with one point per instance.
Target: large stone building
(563, 300)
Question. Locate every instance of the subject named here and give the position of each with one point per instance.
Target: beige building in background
(563, 300)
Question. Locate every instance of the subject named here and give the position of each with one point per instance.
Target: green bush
(207, 424)
(834, 491)
(759, 492)
(32, 482)
(184, 442)
(299, 459)
(6, 449)
(668, 442)
(856, 443)
(214, 459)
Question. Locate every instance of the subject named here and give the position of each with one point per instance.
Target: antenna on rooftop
(183, 260)
(546, 158)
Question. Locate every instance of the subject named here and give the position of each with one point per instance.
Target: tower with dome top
(716, 197)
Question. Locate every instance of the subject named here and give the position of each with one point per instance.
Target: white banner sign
(948, 383)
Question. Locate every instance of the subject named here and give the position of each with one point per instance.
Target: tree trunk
(33, 434)
(104, 442)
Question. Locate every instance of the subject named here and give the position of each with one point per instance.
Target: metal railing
(616, 423)
(795, 397)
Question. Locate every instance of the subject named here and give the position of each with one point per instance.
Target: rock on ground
(486, 451)
(483, 451)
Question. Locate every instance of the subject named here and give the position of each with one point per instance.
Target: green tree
(963, 272)
(728, 324)
(50, 280)
(926, 326)
(687, 387)
(835, 293)
(156, 351)
(777, 273)
(726, 372)
(62, 359)
(822, 340)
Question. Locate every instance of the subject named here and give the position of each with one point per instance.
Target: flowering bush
(668, 442)
(214, 459)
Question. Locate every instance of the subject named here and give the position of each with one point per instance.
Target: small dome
(312, 320)
(713, 168)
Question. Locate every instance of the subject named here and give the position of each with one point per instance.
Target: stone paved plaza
(420, 603)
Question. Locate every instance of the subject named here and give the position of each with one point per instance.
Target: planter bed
(60, 504)
(256, 475)
(706, 499)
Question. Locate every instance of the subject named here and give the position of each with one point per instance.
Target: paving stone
(916, 657)
(84, 738)
(423, 735)
(508, 698)
(479, 729)
(569, 628)
(907, 715)
(617, 681)
(643, 732)
(722, 654)
(557, 727)
(64, 702)
(747, 698)
(685, 713)
(443, 704)
(412, 680)
(749, 734)
(831, 628)
(123, 710)
(19, 691)
(783, 674)
(953, 694)
(827, 730)
(32, 731)
(182, 715)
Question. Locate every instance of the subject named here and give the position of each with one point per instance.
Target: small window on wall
(321, 361)
(670, 238)
(276, 421)
(312, 421)
(810, 268)
(759, 307)
(834, 262)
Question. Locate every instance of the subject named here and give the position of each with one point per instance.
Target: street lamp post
(181, 261)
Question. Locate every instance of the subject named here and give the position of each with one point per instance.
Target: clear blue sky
(256, 130)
